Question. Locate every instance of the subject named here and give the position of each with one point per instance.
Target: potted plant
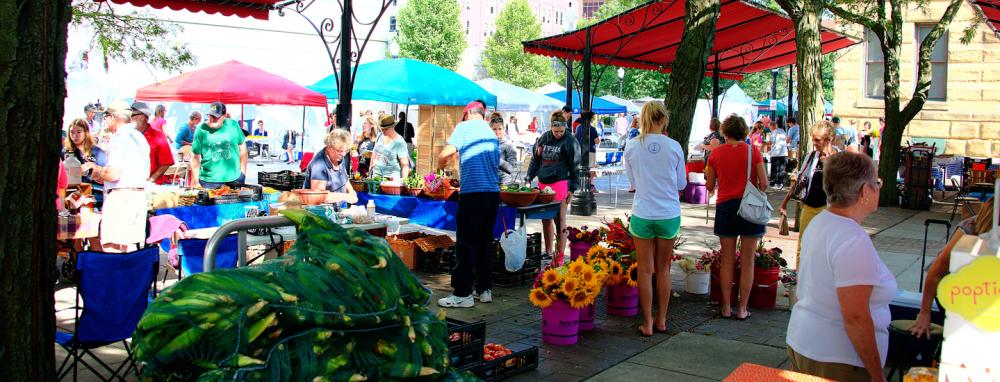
(435, 186)
(374, 183)
(413, 184)
(580, 240)
(358, 183)
(561, 291)
(697, 269)
(516, 195)
(546, 195)
(766, 274)
(790, 279)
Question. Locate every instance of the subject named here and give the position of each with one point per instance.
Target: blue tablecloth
(429, 213)
(199, 216)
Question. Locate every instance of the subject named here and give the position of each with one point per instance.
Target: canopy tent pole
(302, 140)
(788, 110)
(569, 84)
(346, 80)
(715, 87)
(583, 203)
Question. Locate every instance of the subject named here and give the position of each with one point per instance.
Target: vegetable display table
(437, 214)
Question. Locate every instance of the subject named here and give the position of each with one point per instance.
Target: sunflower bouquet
(577, 283)
(610, 263)
(582, 234)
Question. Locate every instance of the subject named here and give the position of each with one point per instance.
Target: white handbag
(754, 207)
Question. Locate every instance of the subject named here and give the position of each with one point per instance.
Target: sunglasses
(877, 184)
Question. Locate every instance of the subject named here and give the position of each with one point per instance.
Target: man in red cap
(479, 159)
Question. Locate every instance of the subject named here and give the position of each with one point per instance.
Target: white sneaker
(486, 296)
(453, 301)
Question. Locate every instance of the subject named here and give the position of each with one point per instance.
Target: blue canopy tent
(511, 98)
(409, 82)
(599, 106)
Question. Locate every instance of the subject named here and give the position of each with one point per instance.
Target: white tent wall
(703, 115)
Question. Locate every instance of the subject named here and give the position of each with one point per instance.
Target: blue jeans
(214, 185)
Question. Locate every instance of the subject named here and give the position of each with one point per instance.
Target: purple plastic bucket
(623, 300)
(578, 249)
(587, 318)
(560, 323)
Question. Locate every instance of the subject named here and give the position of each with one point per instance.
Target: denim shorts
(729, 224)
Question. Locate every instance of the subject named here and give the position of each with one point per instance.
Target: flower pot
(587, 318)
(544, 198)
(560, 323)
(414, 192)
(623, 300)
(764, 292)
(441, 194)
(578, 249)
(518, 199)
(715, 293)
(359, 186)
(698, 282)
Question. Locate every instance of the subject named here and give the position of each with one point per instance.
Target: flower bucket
(587, 317)
(764, 293)
(623, 300)
(715, 293)
(698, 282)
(578, 249)
(560, 323)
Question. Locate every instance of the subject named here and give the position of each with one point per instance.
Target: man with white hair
(124, 175)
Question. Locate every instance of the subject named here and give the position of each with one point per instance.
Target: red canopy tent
(990, 10)
(748, 39)
(231, 83)
(257, 9)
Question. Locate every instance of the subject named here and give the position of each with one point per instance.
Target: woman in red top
(727, 168)
(533, 126)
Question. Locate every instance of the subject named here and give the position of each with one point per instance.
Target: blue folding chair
(609, 158)
(115, 288)
(618, 157)
(192, 255)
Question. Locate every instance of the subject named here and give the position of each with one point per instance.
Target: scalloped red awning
(748, 39)
(991, 13)
(231, 83)
(257, 9)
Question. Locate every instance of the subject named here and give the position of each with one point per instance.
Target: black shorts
(729, 224)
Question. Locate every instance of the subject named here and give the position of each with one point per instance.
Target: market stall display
(340, 305)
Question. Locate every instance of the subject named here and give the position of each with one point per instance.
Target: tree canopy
(431, 31)
(504, 57)
(133, 37)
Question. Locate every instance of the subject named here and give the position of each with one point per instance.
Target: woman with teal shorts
(654, 164)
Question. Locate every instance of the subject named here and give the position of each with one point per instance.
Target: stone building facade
(963, 112)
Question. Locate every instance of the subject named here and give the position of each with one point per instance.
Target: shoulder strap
(749, 160)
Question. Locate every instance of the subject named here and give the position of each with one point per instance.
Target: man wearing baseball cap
(124, 175)
(220, 155)
(160, 156)
(479, 158)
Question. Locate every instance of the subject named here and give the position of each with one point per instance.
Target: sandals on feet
(744, 318)
(642, 333)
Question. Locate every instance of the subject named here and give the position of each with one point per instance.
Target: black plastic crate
(441, 260)
(465, 343)
(504, 367)
(286, 180)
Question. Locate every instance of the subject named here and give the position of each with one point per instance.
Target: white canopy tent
(733, 101)
(630, 106)
(511, 98)
(550, 88)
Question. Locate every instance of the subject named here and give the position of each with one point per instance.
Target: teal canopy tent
(409, 82)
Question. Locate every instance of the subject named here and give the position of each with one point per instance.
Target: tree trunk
(32, 76)
(689, 67)
(808, 61)
(891, 38)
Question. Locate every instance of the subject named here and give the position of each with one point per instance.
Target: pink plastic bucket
(587, 318)
(578, 249)
(560, 323)
(623, 300)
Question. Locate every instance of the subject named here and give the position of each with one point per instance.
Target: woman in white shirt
(654, 164)
(839, 327)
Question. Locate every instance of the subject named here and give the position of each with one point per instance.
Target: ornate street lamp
(621, 78)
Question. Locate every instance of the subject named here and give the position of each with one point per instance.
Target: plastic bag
(514, 244)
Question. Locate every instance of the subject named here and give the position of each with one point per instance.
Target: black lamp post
(621, 78)
(774, 93)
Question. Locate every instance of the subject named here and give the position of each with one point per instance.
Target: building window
(591, 6)
(491, 10)
(466, 27)
(874, 67)
(939, 62)
(392, 23)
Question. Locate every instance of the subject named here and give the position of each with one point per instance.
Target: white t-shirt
(779, 143)
(836, 253)
(655, 167)
(129, 152)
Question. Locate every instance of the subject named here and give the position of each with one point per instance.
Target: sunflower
(615, 272)
(633, 275)
(593, 288)
(587, 275)
(570, 285)
(539, 298)
(580, 299)
(577, 266)
(597, 251)
(550, 278)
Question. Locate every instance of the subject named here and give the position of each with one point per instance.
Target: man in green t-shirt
(220, 157)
